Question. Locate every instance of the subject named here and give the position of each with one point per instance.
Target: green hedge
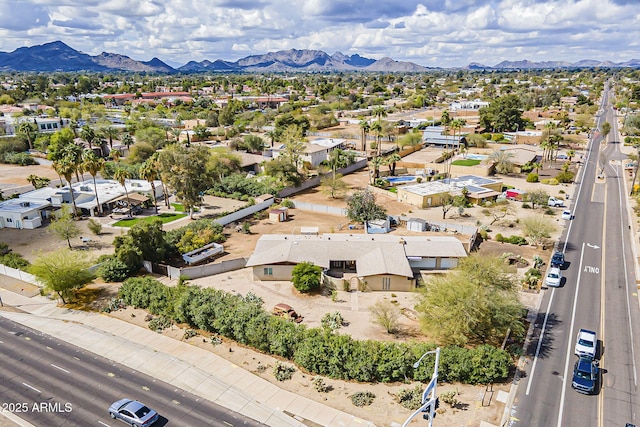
(315, 350)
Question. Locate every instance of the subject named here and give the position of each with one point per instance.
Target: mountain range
(57, 56)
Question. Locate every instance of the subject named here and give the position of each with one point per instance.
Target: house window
(386, 283)
(268, 271)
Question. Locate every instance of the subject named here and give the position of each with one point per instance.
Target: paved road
(48, 382)
(598, 293)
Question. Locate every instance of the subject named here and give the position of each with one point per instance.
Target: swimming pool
(475, 156)
(400, 179)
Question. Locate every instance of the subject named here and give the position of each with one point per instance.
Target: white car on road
(586, 343)
(566, 214)
(554, 277)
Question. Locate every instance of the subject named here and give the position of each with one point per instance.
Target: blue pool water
(398, 179)
(476, 156)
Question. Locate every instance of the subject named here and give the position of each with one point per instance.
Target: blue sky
(435, 33)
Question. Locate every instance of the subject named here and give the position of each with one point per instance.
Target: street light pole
(429, 395)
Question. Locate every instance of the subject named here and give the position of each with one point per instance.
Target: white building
(17, 213)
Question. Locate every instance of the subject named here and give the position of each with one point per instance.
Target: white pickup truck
(558, 203)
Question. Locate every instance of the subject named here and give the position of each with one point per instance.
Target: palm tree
(121, 175)
(88, 134)
(93, 164)
(149, 171)
(155, 161)
(110, 133)
(456, 125)
(391, 161)
(29, 130)
(73, 153)
(502, 160)
(127, 139)
(365, 127)
(66, 167)
(380, 112)
(176, 132)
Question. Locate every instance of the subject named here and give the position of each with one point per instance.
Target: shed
(278, 215)
(416, 224)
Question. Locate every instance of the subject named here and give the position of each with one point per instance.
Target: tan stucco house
(356, 261)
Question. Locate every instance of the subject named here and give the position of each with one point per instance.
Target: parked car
(585, 375)
(557, 259)
(553, 202)
(566, 214)
(586, 343)
(286, 311)
(133, 413)
(554, 277)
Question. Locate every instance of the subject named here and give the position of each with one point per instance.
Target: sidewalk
(191, 368)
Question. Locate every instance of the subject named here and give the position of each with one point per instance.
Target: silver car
(133, 413)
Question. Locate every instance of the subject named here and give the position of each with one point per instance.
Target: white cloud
(427, 32)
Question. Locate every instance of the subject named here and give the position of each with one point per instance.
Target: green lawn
(164, 217)
(180, 208)
(466, 162)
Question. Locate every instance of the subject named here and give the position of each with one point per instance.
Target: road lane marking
(540, 339)
(32, 388)
(58, 367)
(104, 424)
(570, 340)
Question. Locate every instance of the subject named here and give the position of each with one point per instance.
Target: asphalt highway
(48, 382)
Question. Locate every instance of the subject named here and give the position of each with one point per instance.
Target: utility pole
(430, 400)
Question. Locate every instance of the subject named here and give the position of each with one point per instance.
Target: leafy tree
(284, 171)
(64, 226)
(447, 201)
(223, 163)
(362, 207)
(151, 135)
(333, 185)
(306, 276)
(537, 229)
(293, 144)
(62, 271)
(477, 302)
(140, 152)
(503, 113)
(387, 315)
(184, 169)
(537, 197)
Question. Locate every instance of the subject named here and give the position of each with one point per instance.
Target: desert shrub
(499, 238)
(449, 397)
(484, 234)
(14, 260)
(320, 385)
(332, 321)
(283, 372)
(516, 240)
(313, 349)
(410, 398)
(549, 211)
(306, 276)
(497, 137)
(550, 181)
(160, 323)
(114, 304)
(287, 203)
(565, 177)
(362, 398)
(532, 177)
(94, 226)
(113, 270)
(526, 205)
(22, 159)
(189, 333)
